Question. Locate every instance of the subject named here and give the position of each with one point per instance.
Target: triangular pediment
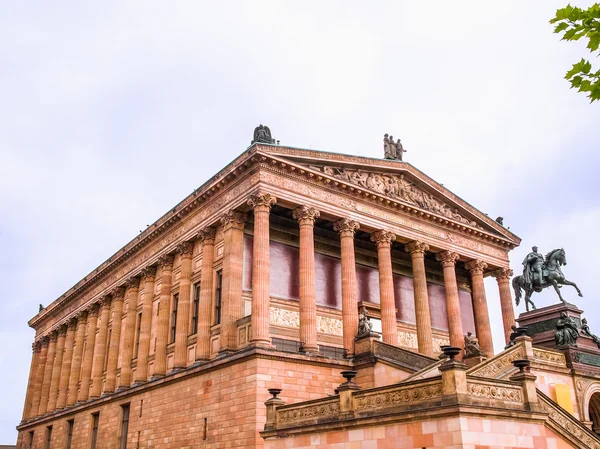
(398, 181)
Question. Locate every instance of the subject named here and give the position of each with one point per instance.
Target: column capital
(185, 248)
(383, 237)
(148, 273)
(447, 258)
(306, 215)
(207, 234)
(133, 282)
(62, 330)
(36, 346)
(166, 261)
(93, 309)
(416, 247)
(45, 340)
(72, 324)
(346, 227)
(233, 218)
(118, 293)
(53, 336)
(261, 202)
(82, 315)
(502, 274)
(105, 301)
(476, 266)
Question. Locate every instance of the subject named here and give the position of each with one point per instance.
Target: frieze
(399, 395)
(587, 359)
(402, 356)
(330, 409)
(438, 343)
(549, 356)
(397, 187)
(284, 317)
(329, 325)
(499, 392)
(499, 365)
(545, 326)
(407, 340)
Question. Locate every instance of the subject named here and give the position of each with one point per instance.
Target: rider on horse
(533, 265)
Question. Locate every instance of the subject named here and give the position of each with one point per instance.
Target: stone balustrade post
(346, 229)
(165, 264)
(530, 397)
(503, 276)
(261, 268)
(306, 217)
(455, 329)
(100, 349)
(480, 308)
(58, 359)
(65, 371)
(271, 405)
(77, 358)
(48, 373)
(454, 380)
(141, 372)
(88, 354)
(133, 285)
(115, 340)
(182, 330)
(384, 240)
(207, 236)
(231, 294)
(345, 391)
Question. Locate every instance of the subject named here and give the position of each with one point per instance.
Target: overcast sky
(113, 112)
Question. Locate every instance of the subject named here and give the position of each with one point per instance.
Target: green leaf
(587, 66)
(561, 26)
(576, 81)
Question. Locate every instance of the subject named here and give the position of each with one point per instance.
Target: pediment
(398, 181)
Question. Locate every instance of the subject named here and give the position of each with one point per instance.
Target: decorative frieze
(407, 340)
(284, 317)
(549, 356)
(500, 364)
(499, 392)
(398, 395)
(320, 411)
(329, 325)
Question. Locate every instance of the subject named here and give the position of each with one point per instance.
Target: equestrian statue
(540, 272)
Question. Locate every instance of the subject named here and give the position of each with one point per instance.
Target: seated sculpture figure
(364, 324)
(566, 331)
(585, 330)
(472, 348)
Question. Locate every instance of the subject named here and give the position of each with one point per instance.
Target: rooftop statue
(540, 272)
(585, 330)
(566, 331)
(392, 150)
(262, 134)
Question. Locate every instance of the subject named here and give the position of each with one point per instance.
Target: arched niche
(591, 406)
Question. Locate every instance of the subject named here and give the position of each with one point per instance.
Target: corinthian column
(233, 248)
(88, 354)
(346, 228)
(48, 373)
(31, 382)
(115, 339)
(261, 269)
(207, 236)
(77, 358)
(480, 309)
(32, 406)
(39, 378)
(306, 217)
(141, 372)
(58, 358)
(455, 329)
(133, 285)
(100, 349)
(182, 330)
(165, 266)
(65, 371)
(384, 240)
(503, 276)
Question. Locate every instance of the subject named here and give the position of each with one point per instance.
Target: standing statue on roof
(392, 150)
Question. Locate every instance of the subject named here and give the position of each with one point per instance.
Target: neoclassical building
(256, 281)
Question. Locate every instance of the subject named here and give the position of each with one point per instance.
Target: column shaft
(88, 354)
(206, 288)
(480, 309)
(55, 380)
(503, 276)
(455, 329)
(115, 340)
(48, 374)
(141, 372)
(33, 372)
(261, 269)
(39, 378)
(65, 371)
(182, 330)
(306, 217)
(100, 349)
(233, 245)
(77, 358)
(389, 329)
(346, 228)
(165, 264)
(129, 332)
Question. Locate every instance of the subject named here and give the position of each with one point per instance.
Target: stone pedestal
(365, 344)
(475, 360)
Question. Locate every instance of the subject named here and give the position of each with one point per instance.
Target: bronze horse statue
(552, 276)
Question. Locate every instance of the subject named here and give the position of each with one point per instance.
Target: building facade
(256, 281)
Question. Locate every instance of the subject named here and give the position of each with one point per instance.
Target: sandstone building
(256, 281)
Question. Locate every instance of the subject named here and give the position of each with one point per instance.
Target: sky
(113, 112)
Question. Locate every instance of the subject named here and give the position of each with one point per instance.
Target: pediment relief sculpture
(398, 187)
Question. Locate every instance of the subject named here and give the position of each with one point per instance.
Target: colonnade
(68, 365)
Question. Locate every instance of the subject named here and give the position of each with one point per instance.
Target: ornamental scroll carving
(497, 366)
(406, 395)
(328, 325)
(549, 356)
(499, 392)
(396, 186)
(319, 411)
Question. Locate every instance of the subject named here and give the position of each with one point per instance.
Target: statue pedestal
(365, 344)
(474, 360)
(541, 323)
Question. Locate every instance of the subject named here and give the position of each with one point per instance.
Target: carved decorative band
(549, 356)
(330, 409)
(499, 365)
(499, 392)
(398, 395)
